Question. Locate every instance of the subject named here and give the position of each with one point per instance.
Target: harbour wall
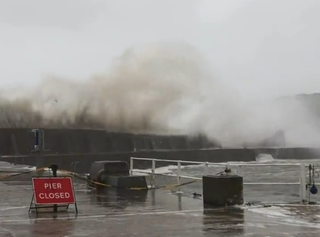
(70, 148)
(21, 141)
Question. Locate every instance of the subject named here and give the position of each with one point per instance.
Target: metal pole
(206, 172)
(153, 172)
(131, 165)
(300, 189)
(179, 172)
(54, 169)
(38, 149)
(303, 183)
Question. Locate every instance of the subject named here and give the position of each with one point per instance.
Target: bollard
(222, 190)
(54, 169)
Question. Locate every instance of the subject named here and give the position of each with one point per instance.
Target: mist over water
(162, 88)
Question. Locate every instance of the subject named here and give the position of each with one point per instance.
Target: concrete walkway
(148, 214)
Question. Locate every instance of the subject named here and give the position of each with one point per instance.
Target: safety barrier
(302, 182)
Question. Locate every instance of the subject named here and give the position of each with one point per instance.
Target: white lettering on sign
(53, 190)
(52, 186)
(54, 195)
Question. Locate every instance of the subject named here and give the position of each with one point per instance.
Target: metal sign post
(54, 169)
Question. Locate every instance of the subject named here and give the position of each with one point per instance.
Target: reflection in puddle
(117, 198)
(226, 221)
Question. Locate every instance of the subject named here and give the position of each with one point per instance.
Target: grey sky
(264, 48)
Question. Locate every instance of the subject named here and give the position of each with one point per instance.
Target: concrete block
(116, 168)
(108, 167)
(116, 174)
(223, 190)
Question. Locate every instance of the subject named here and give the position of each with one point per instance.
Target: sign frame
(36, 206)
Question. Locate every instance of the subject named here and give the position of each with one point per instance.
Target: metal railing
(301, 182)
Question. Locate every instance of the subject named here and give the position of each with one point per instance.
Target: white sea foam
(263, 158)
(281, 216)
(270, 211)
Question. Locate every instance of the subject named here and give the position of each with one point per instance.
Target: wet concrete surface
(153, 213)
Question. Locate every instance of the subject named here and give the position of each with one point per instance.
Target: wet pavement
(149, 213)
(170, 212)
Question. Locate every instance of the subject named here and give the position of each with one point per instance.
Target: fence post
(153, 166)
(131, 165)
(206, 168)
(303, 183)
(153, 172)
(240, 171)
(179, 172)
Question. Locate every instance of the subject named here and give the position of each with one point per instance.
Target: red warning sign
(53, 190)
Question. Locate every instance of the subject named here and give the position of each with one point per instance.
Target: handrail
(302, 180)
(217, 164)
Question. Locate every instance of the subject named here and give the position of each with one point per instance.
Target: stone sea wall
(66, 147)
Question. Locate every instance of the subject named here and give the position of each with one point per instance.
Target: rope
(172, 186)
(95, 182)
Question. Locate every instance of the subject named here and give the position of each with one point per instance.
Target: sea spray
(162, 88)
